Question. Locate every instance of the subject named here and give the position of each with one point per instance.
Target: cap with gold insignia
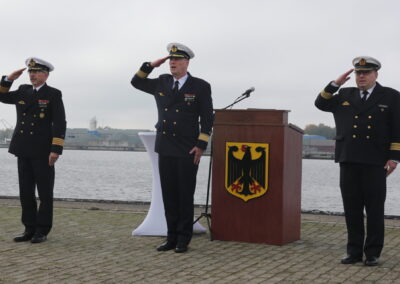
(179, 50)
(37, 64)
(366, 63)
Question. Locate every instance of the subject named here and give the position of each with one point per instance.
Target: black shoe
(38, 238)
(371, 261)
(166, 246)
(23, 237)
(181, 248)
(351, 259)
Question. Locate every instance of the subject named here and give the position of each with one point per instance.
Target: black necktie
(364, 97)
(34, 91)
(176, 88)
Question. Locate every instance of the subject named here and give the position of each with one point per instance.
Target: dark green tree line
(320, 129)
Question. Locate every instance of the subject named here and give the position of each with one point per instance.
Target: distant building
(93, 124)
(313, 137)
(93, 127)
(318, 147)
(104, 139)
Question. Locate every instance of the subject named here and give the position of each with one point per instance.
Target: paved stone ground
(92, 243)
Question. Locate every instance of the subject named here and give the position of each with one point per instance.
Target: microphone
(247, 93)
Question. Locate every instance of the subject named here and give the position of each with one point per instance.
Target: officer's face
(366, 80)
(178, 67)
(38, 78)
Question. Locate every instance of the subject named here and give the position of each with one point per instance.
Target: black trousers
(36, 173)
(178, 182)
(364, 186)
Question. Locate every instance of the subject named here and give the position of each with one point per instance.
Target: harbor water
(126, 176)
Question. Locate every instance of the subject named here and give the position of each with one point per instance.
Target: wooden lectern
(275, 216)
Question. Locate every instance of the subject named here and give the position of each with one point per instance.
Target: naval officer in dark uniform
(367, 122)
(37, 142)
(184, 103)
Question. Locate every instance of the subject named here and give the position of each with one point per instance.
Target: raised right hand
(158, 62)
(343, 78)
(15, 75)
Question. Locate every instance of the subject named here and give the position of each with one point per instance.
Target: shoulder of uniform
(165, 76)
(347, 90)
(391, 90)
(25, 87)
(201, 81)
(53, 90)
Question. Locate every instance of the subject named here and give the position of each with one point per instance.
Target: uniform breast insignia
(345, 103)
(43, 103)
(41, 115)
(161, 94)
(21, 102)
(383, 107)
(190, 97)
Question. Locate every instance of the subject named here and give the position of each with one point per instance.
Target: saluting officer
(181, 100)
(368, 149)
(37, 142)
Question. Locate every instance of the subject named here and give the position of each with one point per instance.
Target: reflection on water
(127, 176)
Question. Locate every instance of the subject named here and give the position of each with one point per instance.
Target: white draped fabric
(155, 224)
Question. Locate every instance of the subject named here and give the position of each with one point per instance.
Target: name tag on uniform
(190, 97)
(383, 107)
(43, 103)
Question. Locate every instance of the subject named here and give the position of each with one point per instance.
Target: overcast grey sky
(287, 49)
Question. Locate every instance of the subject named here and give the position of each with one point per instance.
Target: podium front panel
(273, 218)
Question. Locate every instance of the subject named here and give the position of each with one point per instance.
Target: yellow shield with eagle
(246, 169)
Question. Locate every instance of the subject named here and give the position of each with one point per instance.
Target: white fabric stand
(155, 224)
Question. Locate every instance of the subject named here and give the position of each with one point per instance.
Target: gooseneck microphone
(243, 96)
(247, 93)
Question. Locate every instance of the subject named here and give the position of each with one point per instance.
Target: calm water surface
(127, 176)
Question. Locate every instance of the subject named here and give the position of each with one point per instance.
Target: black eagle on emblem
(246, 171)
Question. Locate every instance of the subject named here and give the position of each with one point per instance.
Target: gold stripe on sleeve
(58, 141)
(395, 146)
(326, 95)
(4, 89)
(204, 137)
(142, 74)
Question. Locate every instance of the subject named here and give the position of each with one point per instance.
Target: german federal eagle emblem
(246, 169)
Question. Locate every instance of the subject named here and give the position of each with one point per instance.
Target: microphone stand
(238, 99)
(205, 213)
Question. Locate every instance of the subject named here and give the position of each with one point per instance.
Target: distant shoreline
(138, 149)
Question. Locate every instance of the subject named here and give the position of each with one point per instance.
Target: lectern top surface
(254, 109)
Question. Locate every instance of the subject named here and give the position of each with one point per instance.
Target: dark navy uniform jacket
(179, 117)
(366, 132)
(41, 124)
